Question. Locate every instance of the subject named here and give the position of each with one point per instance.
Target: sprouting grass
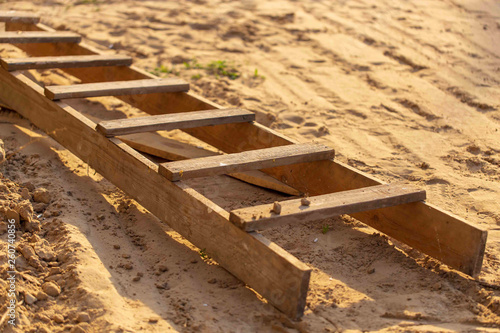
(222, 68)
(217, 68)
(158, 71)
(257, 75)
(204, 255)
(325, 229)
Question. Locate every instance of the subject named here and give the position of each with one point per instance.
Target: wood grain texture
(115, 88)
(18, 17)
(268, 269)
(169, 122)
(156, 145)
(421, 225)
(38, 37)
(249, 160)
(15, 64)
(325, 206)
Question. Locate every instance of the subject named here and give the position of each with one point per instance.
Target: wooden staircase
(160, 188)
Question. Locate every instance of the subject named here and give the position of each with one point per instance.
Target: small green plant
(196, 77)
(325, 229)
(203, 254)
(221, 68)
(257, 75)
(193, 64)
(158, 71)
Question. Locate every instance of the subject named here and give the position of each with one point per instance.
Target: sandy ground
(402, 90)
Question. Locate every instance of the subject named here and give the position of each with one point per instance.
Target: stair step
(249, 160)
(19, 37)
(14, 64)
(167, 122)
(13, 16)
(325, 206)
(134, 87)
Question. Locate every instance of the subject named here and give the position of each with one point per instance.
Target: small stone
(25, 210)
(153, 320)
(136, 278)
(51, 289)
(100, 217)
(45, 253)
(140, 274)
(34, 239)
(83, 317)
(29, 186)
(58, 318)
(370, 271)
(212, 281)
(42, 317)
(161, 286)
(276, 208)
(25, 194)
(28, 252)
(40, 295)
(79, 329)
(437, 286)
(116, 246)
(29, 299)
(126, 256)
(128, 266)
(162, 268)
(41, 195)
(55, 270)
(305, 202)
(39, 207)
(11, 214)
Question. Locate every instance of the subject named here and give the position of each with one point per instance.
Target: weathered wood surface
(18, 17)
(115, 88)
(325, 206)
(249, 160)
(14, 64)
(268, 269)
(423, 226)
(167, 122)
(15, 37)
(156, 145)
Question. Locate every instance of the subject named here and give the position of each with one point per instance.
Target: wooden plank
(249, 160)
(19, 37)
(421, 225)
(167, 122)
(325, 206)
(15, 64)
(116, 88)
(19, 17)
(156, 145)
(269, 270)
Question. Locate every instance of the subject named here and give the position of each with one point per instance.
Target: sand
(402, 90)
